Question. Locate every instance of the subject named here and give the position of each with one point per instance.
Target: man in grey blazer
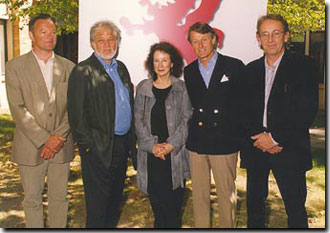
(36, 86)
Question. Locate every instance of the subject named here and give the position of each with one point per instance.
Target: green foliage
(302, 15)
(64, 11)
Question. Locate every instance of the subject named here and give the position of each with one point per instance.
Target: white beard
(107, 57)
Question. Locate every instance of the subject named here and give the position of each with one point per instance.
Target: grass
(136, 209)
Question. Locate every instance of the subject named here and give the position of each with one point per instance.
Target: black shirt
(158, 114)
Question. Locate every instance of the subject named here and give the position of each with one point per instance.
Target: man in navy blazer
(212, 84)
(280, 104)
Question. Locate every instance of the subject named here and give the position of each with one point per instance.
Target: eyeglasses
(275, 34)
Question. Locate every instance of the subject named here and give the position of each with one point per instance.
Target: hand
(275, 150)
(159, 151)
(263, 141)
(47, 153)
(55, 142)
(168, 148)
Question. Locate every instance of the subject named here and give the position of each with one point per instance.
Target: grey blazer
(178, 112)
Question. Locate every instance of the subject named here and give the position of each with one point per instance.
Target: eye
(277, 33)
(264, 34)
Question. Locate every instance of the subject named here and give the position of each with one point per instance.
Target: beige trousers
(224, 173)
(33, 180)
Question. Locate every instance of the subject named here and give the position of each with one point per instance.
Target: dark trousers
(104, 186)
(292, 186)
(166, 203)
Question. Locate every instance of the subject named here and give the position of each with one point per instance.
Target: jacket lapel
(58, 72)
(197, 76)
(218, 72)
(278, 80)
(58, 75)
(34, 72)
(259, 83)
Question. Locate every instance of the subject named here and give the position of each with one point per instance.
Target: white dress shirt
(46, 70)
(269, 80)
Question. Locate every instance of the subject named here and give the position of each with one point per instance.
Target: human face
(105, 43)
(203, 45)
(272, 38)
(162, 64)
(43, 36)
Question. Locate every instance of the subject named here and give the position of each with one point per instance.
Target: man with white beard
(100, 109)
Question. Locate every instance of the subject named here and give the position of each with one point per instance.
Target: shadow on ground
(136, 209)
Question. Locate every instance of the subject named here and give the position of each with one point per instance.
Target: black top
(158, 114)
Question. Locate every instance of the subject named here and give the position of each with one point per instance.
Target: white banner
(145, 22)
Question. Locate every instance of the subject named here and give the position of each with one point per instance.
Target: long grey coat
(178, 112)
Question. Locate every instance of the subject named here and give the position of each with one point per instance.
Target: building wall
(24, 42)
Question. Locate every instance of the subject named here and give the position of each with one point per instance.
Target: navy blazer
(292, 107)
(213, 126)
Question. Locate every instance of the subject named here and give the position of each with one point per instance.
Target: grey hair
(104, 23)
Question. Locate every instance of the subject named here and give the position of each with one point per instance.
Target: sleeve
(179, 138)
(24, 120)
(303, 107)
(145, 139)
(76, 98)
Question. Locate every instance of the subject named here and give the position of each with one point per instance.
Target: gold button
(200, 123)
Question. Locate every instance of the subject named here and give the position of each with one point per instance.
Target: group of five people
(183, 129)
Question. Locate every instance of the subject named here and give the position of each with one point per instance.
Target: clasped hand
(53, 145)
(160, 150)
(264, 142)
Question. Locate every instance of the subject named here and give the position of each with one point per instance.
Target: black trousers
(104, 186)
(166, 203)
(292, 186)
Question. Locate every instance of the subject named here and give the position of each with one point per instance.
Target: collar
(146, 87)
(212, 61)
(104, 64)
(51, 59)
(275, 64)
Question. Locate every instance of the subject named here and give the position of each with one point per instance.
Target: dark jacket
(292, 106)
(91, 107)
(213, 126)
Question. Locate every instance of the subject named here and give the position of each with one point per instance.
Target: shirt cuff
(275, 142)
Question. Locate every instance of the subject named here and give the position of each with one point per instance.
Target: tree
(64, 11)
(302, 15)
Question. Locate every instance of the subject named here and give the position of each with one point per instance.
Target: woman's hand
(159, 151)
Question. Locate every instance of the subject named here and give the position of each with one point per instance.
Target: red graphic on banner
(166, 22)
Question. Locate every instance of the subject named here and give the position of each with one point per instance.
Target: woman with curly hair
(162, 110)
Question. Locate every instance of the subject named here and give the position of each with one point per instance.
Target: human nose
(270, 37)
(107, 43)
(49, 34)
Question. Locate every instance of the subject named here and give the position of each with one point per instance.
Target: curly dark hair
(175, 55)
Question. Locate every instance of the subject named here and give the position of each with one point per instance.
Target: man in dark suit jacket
(212, 82)
(281, 102)
(100, 109)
